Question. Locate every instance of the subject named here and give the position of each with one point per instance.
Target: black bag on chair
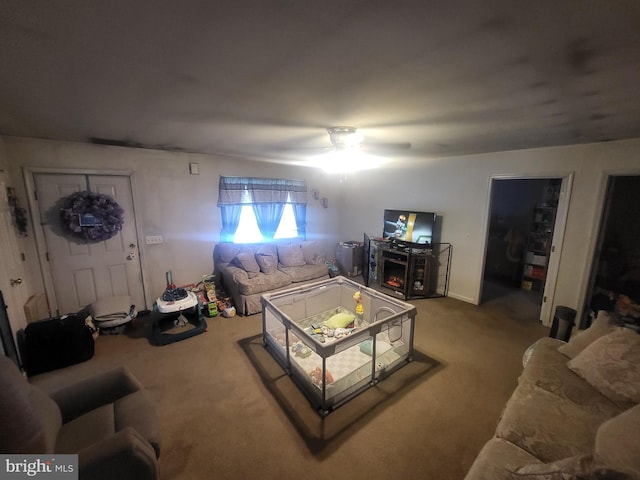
(57, 343)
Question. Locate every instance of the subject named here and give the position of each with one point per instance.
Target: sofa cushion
(547, 369)
(617, 442)
(247, 261)
(228, 251)
(268, 263)
(496, 457)
(612, 365)
(258, 284)
(86, 430)
(305, 272)
(291, 255)
(30, 418)
(312, 254)
(602, 325)
(580, 467)
(137, 411)
(549, 426)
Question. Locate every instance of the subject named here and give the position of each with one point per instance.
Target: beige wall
(182, 207)
(169, 201)
(458, 190)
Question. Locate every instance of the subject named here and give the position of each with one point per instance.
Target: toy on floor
(301, 350)
(316, 376)
(176, 299)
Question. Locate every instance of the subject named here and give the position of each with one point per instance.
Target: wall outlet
(154, 239)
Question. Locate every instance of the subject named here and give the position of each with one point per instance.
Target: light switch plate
(154, 239)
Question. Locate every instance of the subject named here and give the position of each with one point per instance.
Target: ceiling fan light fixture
(346, 160)
(344, 136)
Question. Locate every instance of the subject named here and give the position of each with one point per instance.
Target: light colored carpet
(229, 412)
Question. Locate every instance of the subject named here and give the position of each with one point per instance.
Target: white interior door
(546, 312)
(12, 270)
(83, 272)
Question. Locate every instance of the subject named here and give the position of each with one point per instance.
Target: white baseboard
(462, 298)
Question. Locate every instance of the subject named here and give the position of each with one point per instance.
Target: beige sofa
(247, 271)
(109, 420)
(575, 413)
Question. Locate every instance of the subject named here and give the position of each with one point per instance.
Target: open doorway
(615, 275)
(519, 243)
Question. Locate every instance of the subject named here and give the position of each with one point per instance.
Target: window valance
(250, 191)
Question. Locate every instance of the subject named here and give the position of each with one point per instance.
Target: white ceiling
(262, 79)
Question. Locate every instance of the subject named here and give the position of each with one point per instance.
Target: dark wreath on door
(93, 217)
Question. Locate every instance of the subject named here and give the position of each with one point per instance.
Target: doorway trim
(596, 238)
(546, 310)
(41, 245)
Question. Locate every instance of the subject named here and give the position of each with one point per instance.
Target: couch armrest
(125, 455)
(81, 397)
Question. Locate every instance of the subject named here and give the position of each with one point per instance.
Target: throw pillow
(312, 254)
(268, 263)
(617, 441)
(291, 255)
(611, 364)
(247, 262)
(228, 252)
(602, 325)
(339, 320)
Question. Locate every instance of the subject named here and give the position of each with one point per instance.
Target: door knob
(16, 281)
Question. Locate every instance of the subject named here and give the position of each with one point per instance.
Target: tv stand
(409, 270)
(405, 271)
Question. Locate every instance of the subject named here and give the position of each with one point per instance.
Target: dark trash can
(563, 323)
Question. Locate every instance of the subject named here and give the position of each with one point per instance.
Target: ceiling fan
(343, 137)
(348, 139)
(349, 152)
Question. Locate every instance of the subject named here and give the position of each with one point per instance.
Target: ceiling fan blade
(387, 145)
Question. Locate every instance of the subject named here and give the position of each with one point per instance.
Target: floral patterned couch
(575, 413)
(249, 270)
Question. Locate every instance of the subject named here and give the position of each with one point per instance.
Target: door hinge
(46, 255)
(544, 299)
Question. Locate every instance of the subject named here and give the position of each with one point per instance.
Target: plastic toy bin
(333, 365)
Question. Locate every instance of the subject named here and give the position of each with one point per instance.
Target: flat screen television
(408, 226)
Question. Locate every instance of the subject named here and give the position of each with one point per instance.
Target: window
(261, 209)
(248, 231)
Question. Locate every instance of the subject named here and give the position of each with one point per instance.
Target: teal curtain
(267, 196)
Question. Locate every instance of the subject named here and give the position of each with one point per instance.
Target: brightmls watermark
(50, 467)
